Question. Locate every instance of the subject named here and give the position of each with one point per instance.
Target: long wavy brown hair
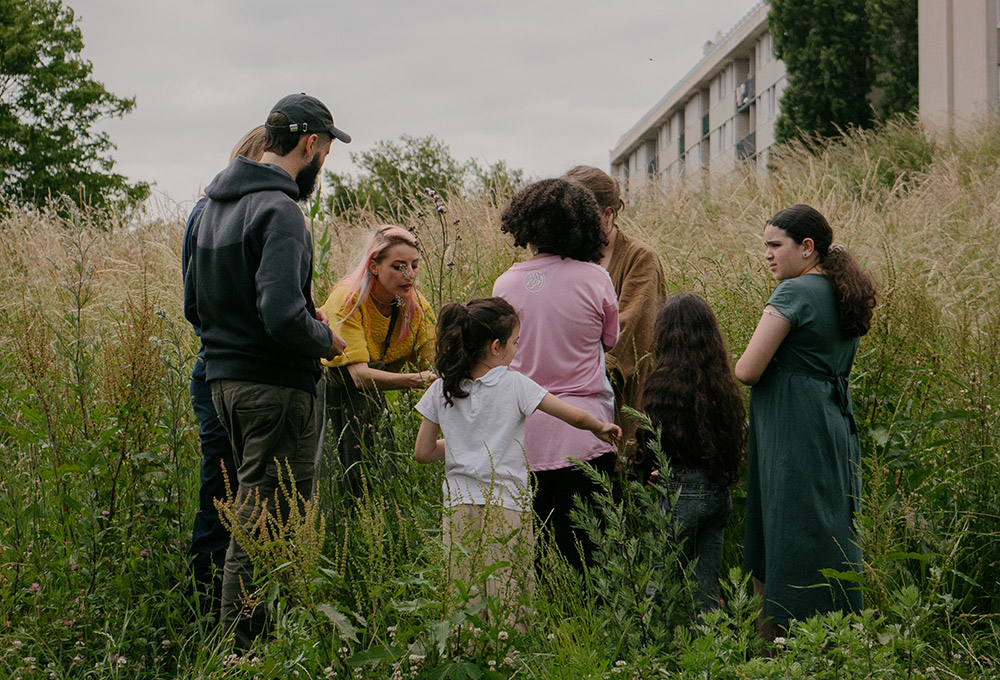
(692, 394)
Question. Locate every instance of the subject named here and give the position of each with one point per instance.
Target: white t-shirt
(484, 438)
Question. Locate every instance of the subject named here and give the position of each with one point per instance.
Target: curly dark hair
(853, 289)
(464, 332)
(691, 393)
(557, 217)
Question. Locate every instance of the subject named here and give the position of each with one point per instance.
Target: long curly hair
(360, 280)
(464, 334)
(558, 217)
(854, 290)
(691, 393)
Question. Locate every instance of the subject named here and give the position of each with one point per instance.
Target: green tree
(895, 55)
(849, 63)
(825, 47)
(49, 105)
(395, 173)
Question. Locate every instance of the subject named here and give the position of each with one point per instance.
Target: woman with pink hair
(389, 330)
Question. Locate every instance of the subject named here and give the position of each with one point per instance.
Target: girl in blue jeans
(694, 403)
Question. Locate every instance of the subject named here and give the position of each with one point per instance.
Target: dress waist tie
(841, 390)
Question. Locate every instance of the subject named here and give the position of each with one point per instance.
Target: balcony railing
(746, 148)
(745, 94)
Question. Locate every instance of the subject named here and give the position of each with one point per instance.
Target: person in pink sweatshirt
(569, 317)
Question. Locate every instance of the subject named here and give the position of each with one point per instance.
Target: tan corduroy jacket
(637, 275)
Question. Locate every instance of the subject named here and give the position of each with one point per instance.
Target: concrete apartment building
(722, 113)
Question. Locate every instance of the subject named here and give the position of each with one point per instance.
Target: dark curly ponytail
(853, 289)
(464, 332)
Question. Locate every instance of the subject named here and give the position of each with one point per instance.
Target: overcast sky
(542, 84)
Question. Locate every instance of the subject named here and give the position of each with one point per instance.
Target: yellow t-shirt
(365, 329)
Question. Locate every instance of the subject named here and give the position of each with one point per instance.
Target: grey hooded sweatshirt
(249, 281)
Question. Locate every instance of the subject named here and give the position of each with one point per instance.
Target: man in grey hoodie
(249, 288)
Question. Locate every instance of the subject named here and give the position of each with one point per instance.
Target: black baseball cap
(308, 114)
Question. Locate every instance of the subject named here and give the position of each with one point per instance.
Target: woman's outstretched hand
(422, 379)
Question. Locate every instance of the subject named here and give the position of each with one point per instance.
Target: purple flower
(420, 213)
(34, 587)
(143, 553)
(105, 513)
(441, 209)
(68, 623)
(74, 566)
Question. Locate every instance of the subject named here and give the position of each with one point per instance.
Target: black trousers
(554, 494)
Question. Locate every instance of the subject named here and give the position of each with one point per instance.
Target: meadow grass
(99, 453)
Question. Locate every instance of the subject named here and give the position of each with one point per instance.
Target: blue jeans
(209, 539)
(700, 514)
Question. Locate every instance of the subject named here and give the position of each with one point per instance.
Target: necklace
(384, 305)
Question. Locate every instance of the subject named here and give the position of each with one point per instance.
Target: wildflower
(105, 513)
(441, 209)
(780, 641)
(77, 659)
(34, 587)
(17, 644)
(455, 223)
(502, 636)
(74, 566)
(492, 664)
(68, 623)
(420, 213)
(328, 671)
(143, 553)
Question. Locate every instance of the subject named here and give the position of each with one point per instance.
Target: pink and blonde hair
(359, 281)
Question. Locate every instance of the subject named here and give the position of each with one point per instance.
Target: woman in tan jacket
(637, 275)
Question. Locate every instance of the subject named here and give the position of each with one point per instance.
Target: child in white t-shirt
(480, 407)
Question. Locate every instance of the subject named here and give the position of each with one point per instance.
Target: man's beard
(306, 179)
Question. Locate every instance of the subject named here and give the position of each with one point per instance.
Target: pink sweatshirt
(568, 310)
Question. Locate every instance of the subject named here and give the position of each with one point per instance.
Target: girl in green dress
(803, 477)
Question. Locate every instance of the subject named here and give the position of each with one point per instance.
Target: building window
(772, 101)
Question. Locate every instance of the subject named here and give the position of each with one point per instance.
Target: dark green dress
(803, 481)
